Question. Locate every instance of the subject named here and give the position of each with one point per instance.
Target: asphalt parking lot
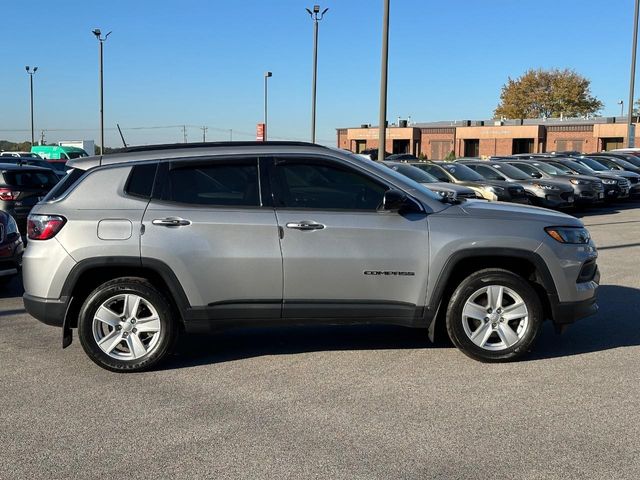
(337, 402)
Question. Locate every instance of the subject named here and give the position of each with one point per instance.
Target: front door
(342, 257)
(207, 222)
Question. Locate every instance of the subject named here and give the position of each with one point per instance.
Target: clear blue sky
(201, 62)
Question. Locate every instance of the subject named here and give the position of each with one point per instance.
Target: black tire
(144, 289)
(466, 290)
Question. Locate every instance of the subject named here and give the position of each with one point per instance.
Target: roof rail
(180, 146)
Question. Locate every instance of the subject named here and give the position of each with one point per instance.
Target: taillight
(8, 194)
(44, 227)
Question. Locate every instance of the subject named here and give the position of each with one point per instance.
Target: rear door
(209, 224)
(343, 257)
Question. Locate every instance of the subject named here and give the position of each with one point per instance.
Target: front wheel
(494, 315)
(126, 325)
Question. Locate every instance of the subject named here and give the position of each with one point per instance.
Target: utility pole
(634, 48)
(101, 40)
(231, 134)
(316, 16)
(184, 133)
(204, 134)
(382, 125)
(31, 74)
(42, 137)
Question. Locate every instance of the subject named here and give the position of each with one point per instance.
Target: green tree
(547, 93)
(451, 156)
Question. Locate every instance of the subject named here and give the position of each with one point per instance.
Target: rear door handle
(305, 225)
(171, 222)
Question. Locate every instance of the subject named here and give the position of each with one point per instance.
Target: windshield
(44, 179)
(598, 167)
(624, 164)
(510, 171)
(546, 168)
(464, 173)
(578, 167)
(414, 173)
(633, 160)
(404, 179)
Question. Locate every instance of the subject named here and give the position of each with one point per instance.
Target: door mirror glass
(536, 174)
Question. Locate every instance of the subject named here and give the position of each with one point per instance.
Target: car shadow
(193, 350)
(616, 325)
(606, 208)
(12, 288)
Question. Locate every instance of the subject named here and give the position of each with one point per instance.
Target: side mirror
(536, 174)
(397, 201)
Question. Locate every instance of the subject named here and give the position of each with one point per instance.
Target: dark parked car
(634, 178)
(633, 159)
(586, 189)
(462, 175)
(372, 153)
(401, 157)
(615, 187)
(445, 190)
(11, 248)
(59, 168)
(21, 187)
(543, 193)
(615, 163)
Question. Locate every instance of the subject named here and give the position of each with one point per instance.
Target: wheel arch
(525, 263)
(88, 274)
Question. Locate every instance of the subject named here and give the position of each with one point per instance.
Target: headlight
(544, 186)
(578, 182)
(608, 181)
(579, 235)
(445, 194)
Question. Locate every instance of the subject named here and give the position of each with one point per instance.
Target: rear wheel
(494, 315)
(126, 325)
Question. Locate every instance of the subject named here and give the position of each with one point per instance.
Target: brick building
(485, 138)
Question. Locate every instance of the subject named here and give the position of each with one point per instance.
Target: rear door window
(217, 183)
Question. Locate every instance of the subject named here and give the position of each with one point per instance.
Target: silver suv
(133, 247)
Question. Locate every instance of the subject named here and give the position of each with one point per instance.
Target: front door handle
(305, 225)
(171, 222)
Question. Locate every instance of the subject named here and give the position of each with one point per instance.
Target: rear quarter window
(141, 180)
(64, 185)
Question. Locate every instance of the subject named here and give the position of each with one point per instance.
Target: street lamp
(316, 16)
(266, 75)
(634, 49)
(621, 103)
(101, 40)
(31, 73)
(382, 126)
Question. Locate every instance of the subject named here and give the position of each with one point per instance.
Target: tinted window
(414, 173)
(578, 167)
(436, 172)
(64, 185)
(322, 186)
(598, 167)
(511, 172)
(528, 169)
(141, 180)
(31, 179)
(464, 173)
(214, 184)
(487, 172)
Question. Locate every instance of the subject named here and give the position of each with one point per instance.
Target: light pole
(634, 48)
(101, 40)
(31, 74)
(266, 75)
(316, 16)
(621, 103)
(383, 83)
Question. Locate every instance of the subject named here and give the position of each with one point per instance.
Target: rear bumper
(48, 311)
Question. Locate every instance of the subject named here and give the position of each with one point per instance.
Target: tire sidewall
(103, 293)
(471, 285)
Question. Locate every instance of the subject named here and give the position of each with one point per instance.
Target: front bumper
(565, 313)
(587, 194)
(552, 199)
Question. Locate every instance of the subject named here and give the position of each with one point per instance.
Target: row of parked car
(25, 178)
(553, 180)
